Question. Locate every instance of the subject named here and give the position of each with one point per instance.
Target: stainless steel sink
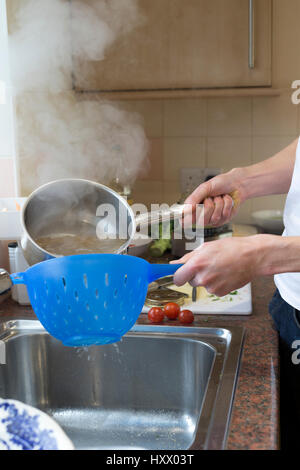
(159, 388)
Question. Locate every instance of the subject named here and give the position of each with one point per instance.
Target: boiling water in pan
(66, 244)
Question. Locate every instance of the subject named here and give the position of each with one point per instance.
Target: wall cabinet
(187, 45)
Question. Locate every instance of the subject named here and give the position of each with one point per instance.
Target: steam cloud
(60, 134)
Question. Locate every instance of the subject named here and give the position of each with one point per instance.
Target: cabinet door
(186, 44)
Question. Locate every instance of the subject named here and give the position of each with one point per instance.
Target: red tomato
(186, 316)
(156, 315)
(172, 310)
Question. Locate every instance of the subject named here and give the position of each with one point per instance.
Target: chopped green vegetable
(160, 246)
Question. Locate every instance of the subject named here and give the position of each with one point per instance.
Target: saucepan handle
(175, 212)
(163, 215)
(18, 278)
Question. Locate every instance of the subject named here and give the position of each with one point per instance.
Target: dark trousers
(287, 322)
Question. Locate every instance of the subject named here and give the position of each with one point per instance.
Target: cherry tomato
(156, 315)
(186, 316)
(172, 310)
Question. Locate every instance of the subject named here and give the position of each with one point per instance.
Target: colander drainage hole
(76, 295)
(85, 281)
(87, 307)
(106, 279)
(125, 279)
(97, 294)
(115, 293)
(57, 298)
(64, 282)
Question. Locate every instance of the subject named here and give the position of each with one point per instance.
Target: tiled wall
(215, 133)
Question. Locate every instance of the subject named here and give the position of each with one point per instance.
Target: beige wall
(215, 133)
(223, 132)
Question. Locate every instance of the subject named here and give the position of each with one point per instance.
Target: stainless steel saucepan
(77, 210)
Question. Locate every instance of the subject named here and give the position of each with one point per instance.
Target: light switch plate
(211, 172)
(190, 178)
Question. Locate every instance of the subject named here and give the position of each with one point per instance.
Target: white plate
(23, 427)
(271, 220)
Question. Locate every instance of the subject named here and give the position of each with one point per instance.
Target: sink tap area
(160, 387)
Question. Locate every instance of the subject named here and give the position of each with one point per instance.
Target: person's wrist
(242, 177)
(237, 178)
(268, 254)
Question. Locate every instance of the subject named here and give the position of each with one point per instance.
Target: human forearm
(228, 264)
(271, 176)
(279, 254)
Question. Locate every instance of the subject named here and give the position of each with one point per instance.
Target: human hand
(221, 197)
(224, 265)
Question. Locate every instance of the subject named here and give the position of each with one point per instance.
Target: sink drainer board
(159, 388)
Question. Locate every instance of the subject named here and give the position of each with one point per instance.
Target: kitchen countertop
(255, 416)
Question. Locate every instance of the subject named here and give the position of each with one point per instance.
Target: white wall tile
(228, 152)
(151, 112)
(265, 147)
(185, 118)
(182, 152)
(229, 117)
(275, 116)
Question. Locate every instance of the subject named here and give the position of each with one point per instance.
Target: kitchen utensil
(162, 282)
(84, 300)
(68, 208)
(194, 294)
(159, 295)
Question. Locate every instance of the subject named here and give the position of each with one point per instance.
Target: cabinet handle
(251, 57)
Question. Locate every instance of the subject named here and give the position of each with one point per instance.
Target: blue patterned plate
(23, 427)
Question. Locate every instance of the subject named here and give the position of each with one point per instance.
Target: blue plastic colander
(84, 300)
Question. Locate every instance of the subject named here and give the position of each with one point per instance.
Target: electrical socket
(210, 173)
(190, 178)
